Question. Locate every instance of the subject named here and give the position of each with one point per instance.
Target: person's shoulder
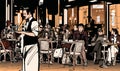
(85, 32)
(33, 19)
(119, 36)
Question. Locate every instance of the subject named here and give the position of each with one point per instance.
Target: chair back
(78, 46)
(2, 45)
(44, 45)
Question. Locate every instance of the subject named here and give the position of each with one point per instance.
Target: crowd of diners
(79, 33)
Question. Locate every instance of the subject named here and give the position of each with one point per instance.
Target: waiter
(30, 49)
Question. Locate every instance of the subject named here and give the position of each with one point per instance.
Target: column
(6, 13)
(11, 11)
(65, 16)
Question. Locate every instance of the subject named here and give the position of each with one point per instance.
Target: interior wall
(97, 13)
(83, 13)
(115, 16)
(72, 17)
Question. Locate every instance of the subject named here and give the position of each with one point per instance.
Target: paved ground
(8, 66)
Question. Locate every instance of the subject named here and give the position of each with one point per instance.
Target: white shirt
(34, 26)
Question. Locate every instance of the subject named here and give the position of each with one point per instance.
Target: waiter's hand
(21, 32)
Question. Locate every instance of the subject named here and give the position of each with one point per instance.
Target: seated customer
(115, 40)
(98, 40)
(78, 35)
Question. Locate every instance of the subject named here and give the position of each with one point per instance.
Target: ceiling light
(67, 5)
(70, 0)
(109, 3)
(41, 2)
(93, 1)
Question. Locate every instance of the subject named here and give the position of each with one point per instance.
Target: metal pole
(11, 11)
(107, 14)
(105, 17)
(89, 12)
(6, 13)
(108, 3)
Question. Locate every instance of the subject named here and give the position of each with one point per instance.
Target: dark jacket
(81, 36)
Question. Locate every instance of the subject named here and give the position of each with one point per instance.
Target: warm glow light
(75, 18)
(65, 16)
(93, 1)
(47, 20)
(72, 12)
(67, 5)
(50, 17)
(109, 3)
(70, 18)
(70, 0)
(41, 2)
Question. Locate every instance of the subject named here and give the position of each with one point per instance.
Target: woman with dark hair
(115, 40)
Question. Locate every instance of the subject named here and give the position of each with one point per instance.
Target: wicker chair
(4, 52)
(45, 49)
(75, 51)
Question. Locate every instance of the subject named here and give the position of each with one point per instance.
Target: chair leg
(66, 59)
(10, 55)
(4, 57)
(51, 59)
(74, 61)
(114, 60)
(94, 57)
(78, 62)
(81, 58)
(41, 58)
(0, 59)
(58, 60)
(48, 59)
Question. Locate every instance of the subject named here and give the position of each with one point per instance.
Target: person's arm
(34, 28)
(86, 39)
(26, 33)
(118, 40)
(93, 39)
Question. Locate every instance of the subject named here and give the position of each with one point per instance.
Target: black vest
(28, 40)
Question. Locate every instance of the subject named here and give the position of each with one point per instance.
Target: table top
(11, 39)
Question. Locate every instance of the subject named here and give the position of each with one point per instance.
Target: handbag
(58, 53)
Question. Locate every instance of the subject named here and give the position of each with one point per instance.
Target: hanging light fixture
(93, 1)
(70, 0)
(41, 2)
(67, 5)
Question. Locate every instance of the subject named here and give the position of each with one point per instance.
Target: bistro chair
(75, 51)
(4, 52)
(45, 49)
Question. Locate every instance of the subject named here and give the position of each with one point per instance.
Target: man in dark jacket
(81, 34)
(97, 43)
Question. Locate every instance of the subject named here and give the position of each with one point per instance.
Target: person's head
(114, 31)
(80, 27)
(75, 27)
(27, 13)
(40, 28)
(57, 29)
(47, 29)
(100, 31)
